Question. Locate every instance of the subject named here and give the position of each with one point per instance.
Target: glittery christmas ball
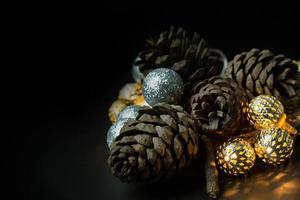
(235, 156)
(114, 131)
(163, 85)
(115, 109)
(130, 112)
(274, 145)
(265, 111)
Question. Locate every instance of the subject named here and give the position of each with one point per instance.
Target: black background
(62, 67)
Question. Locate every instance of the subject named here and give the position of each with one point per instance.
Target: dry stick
(211, 172)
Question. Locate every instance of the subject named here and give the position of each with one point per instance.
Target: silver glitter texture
(162, 85)
(114, 131)
(130, 112)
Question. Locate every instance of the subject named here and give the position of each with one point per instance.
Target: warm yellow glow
(269, 150)
(290, 187)
(281, 120)
(262, 184)
(212, 163)
(140, 101)
(286, 126)
(275, 184)
(226, 158)
(233, 156)
(230, 192)
(279, 176)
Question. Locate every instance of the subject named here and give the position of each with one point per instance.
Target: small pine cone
(158, 144)
(262, 72)
(186, 54)
(217, 106)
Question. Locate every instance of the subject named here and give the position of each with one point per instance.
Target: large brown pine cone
(262, 72)
(158, 144)
(187, 54)
(217, 106)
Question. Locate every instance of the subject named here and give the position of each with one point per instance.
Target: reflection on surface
(263, 183)
(266, 181)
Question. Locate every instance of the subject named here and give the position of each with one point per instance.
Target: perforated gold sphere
(274, 145)
(235, 156)
(264, 111)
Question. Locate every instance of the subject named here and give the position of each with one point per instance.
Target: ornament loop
(220, 57)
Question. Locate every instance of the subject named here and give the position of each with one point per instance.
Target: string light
(265, 111)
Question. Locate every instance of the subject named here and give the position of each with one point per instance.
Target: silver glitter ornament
(162, 85)
(130, 112)
(114, 131)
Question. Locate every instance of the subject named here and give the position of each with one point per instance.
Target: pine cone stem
(211, 172)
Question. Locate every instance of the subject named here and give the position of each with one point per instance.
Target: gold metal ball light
(235, 156)
(274, 145)
(266, 111)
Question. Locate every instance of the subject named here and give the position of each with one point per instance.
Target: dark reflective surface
(267, 182)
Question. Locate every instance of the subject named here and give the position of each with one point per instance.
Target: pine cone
(262, 72)
(186, 54)
(158, 144)
(217, 106)
(291, 105)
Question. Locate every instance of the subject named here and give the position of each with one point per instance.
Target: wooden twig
(211, 172)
